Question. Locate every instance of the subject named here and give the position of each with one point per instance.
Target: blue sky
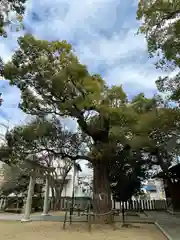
(103, 34)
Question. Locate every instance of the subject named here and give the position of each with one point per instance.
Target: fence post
(143, 204)
(135, 205)
(155, 205)
(126, 206)
(114, 204)
(148, 205)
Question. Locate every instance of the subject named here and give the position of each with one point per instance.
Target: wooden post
(79, 211)
(126, 206)
(70, 216)
(123, 215)
(114, 204)
(65, 219)
(88, 211)
(113, 221)
(89, 222)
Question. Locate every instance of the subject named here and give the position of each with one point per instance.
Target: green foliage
(171, 86)
(52, 81)
(51, 78)
(11, 179)
(127, 172)
(157, 134)
(43, 138)
(16, 179)
(8, 7)
(54, 84)
(161, 26)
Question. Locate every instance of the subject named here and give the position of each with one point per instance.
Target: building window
(151, 188)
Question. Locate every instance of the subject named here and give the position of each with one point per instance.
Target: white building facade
(154, 189)
(71, 180)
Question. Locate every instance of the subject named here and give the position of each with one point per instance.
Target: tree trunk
(58, 194)
(174, 193)
(173, 187)
(53, 197)
(102, 203)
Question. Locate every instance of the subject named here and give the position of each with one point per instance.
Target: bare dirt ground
(53, 231)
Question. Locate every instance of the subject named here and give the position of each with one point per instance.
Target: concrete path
(168, 222)
(11, 217)
(18, 217)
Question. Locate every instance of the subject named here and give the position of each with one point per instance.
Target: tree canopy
(127, 172)
(44, 138)
(8, 7)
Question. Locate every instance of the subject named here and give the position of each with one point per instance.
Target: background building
(154, 189)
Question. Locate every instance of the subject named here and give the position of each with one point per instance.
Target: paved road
(169, 222)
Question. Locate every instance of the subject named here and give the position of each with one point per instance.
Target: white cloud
(10, 114)
(111, 50)
(5, 51)
(137, 74)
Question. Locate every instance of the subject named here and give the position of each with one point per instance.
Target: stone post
(4, 203)
(28, 205)
(46, 197)
(1, 203)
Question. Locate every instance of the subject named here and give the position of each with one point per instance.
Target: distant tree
(11, 182)
(16, 180)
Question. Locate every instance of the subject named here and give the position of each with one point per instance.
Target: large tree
(161, 25)
(53, 82)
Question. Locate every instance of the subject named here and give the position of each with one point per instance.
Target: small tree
(127, 174)
(15, 180)
(51, 144)
(158, 136)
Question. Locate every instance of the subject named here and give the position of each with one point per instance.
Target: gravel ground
(53, 231)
